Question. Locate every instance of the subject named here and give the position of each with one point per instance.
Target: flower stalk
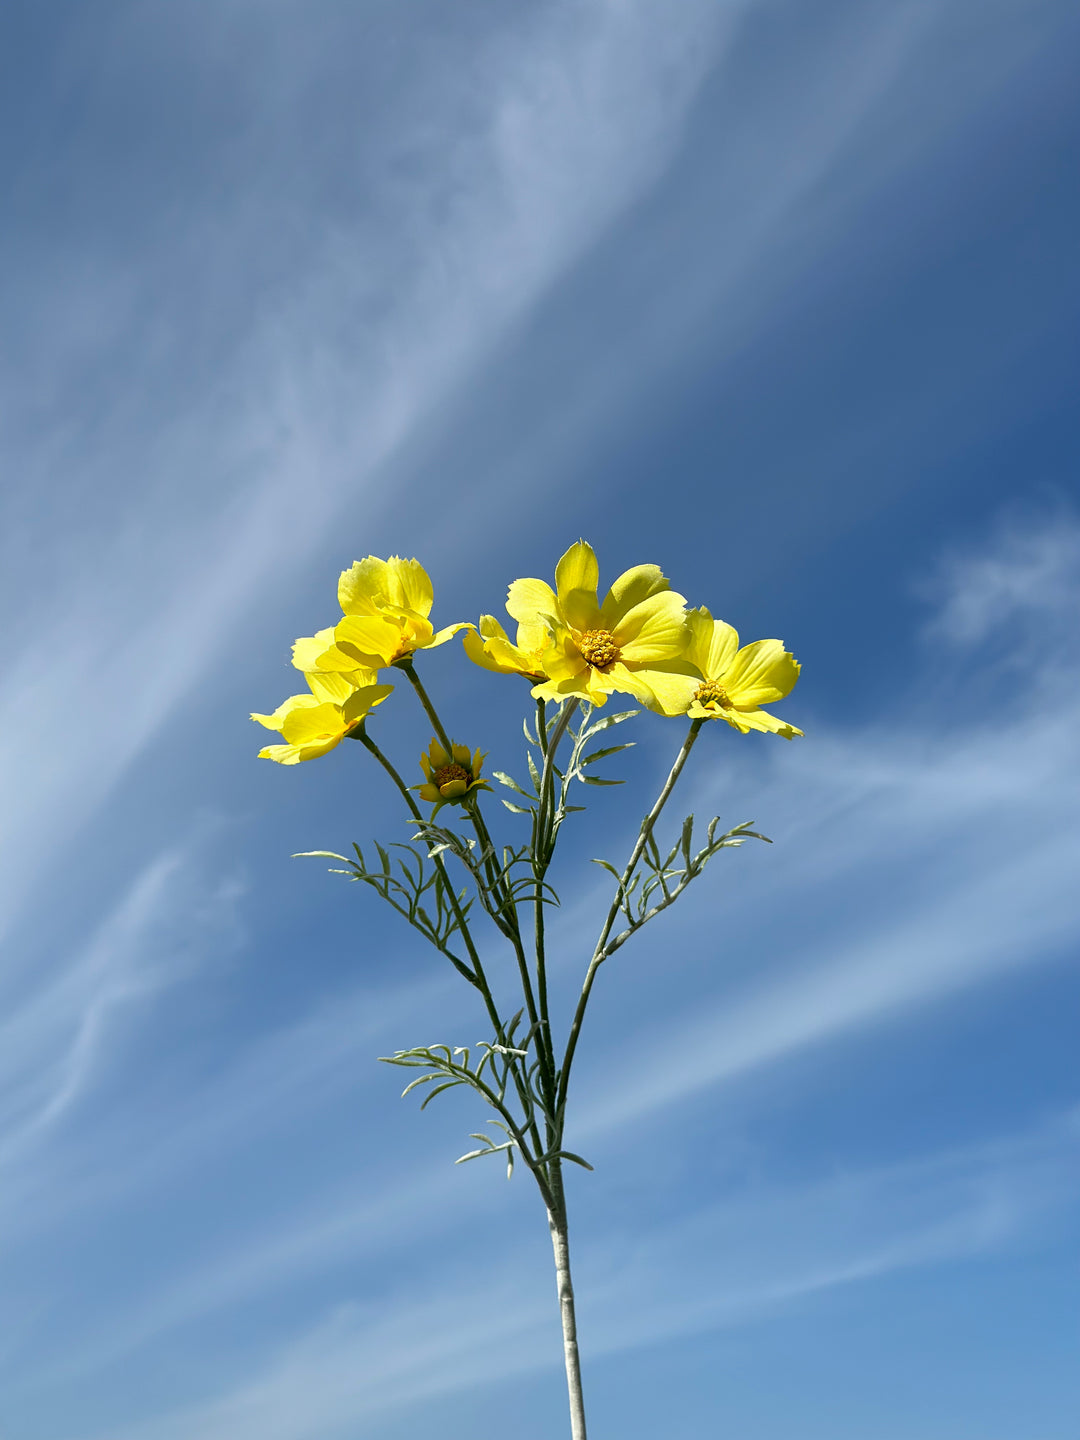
(575, 651)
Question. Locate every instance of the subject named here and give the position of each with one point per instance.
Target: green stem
(480, 978)
(507, 907)
(560, 1244)
(425, 701)
(600, 952)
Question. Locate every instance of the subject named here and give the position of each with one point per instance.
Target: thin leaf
(603, 754)
(611, 720)
(569, 1155)
(510, 782)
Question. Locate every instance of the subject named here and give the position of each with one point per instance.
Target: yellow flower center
(598, 648)
(451, 772)
(709, 693)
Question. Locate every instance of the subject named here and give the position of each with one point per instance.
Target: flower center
(451, 772)
(709, 693)
(598, 648)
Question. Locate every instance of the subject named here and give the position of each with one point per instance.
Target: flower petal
(363, 700)
(672, 690)
(306, 650)
(408, 585)
(440, 637)
(762, 720)
(629, 590)
(284, 710)
(333, 686)
(362, 585)
(761, 672)
(374, 638)
(655, 629)
(528, 599)
(577, 570)
(723, 647)
(312, 724)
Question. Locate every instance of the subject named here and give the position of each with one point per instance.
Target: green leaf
(608, 867)
(510, 782)
(611, 720)
(569, 1155)
(321, 855)
(596, 780)
(446, 1085)
(603, 754)
(517, 809)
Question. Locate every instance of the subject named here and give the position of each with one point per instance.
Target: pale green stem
(600, 952)
(560, 1244)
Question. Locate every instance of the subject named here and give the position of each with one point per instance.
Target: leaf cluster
(661, 879)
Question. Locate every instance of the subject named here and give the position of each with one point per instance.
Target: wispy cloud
(734, 1262)
(54, 1044)
(945, 841)
(572, 112)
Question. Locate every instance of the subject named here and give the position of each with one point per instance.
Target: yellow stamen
(709, 693)
(598, 648)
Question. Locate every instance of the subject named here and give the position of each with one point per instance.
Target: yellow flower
(386, 604)
(729, 684)
(493, 649)
(449, 777)
(602, 647)
(313, 724)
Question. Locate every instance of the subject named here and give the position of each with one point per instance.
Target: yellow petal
(478, 652)
(440, 637)
(490, 629)
(360, 586)
(672, 690)
(330, 686)
(314, 724)
(629, 590)
(762, 720)
(363, 700)
(723, 647)
(284, 710)
(283, 754)
(528, 599)
(306, 651)
(655, 629)
(371, 639)
(760, 673)
(408, 585)
(577, 570)
(453, 789)
(430, 793)
(437, 755)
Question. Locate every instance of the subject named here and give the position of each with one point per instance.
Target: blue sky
(782, 297)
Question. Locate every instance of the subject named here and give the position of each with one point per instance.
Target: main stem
(560, 1244)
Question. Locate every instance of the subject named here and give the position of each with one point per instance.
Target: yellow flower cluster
(385, 606)
(640, 640)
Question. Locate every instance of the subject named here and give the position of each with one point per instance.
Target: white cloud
(734, 1262)
(576, 110)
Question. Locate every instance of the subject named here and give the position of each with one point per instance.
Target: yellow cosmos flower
(386, 604)
(493, 650)
(450, 777)
(313, 724)
(730, 683)
(604, 646)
